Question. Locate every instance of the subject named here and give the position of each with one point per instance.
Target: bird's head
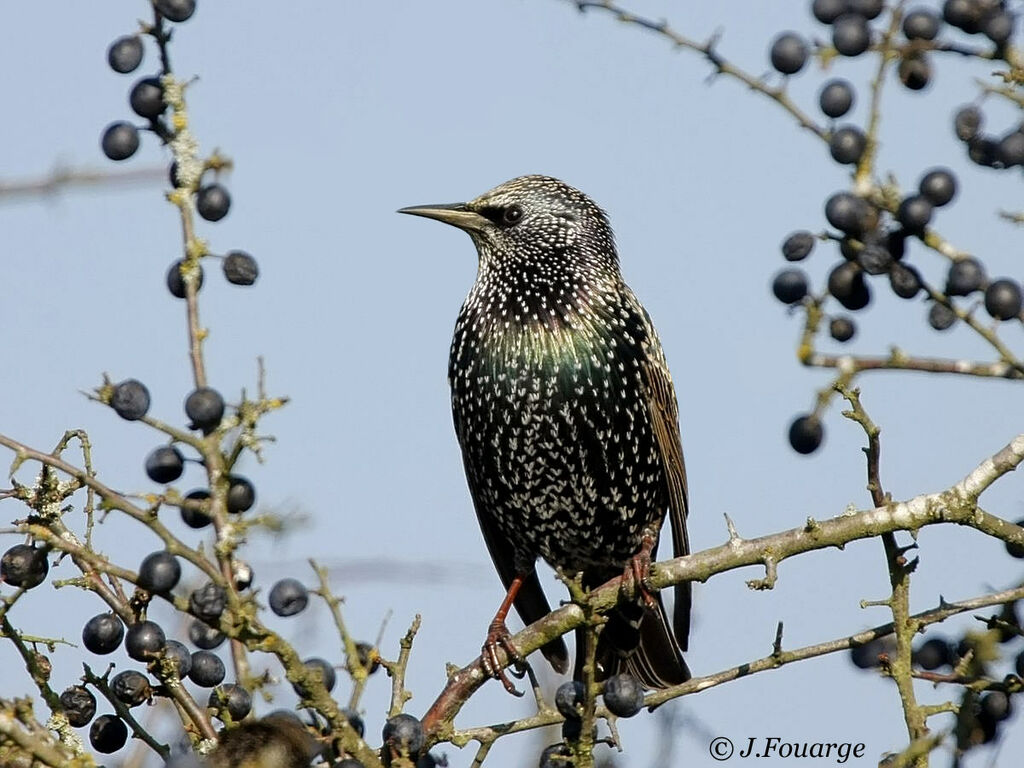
(531, 220)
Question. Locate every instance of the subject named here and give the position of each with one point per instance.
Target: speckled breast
(556, 436)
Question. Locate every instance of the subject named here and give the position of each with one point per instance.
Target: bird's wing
(530, 601)
(661, 401)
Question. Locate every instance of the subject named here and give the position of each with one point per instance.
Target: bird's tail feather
(637, 640)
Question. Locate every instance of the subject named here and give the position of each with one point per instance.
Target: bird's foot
(498, 637)
(639, 570)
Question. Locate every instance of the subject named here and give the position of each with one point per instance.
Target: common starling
(279, 740)
(567, 419)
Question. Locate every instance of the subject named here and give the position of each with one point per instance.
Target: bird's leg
(498, 636)
(639, 569)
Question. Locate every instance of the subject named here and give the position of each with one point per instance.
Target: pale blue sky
(336, 114)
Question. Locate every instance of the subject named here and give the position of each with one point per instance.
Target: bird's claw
(639, 569)
(498, 637)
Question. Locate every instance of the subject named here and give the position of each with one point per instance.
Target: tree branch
(958, 505)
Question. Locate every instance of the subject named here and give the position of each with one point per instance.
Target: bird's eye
(512, 215)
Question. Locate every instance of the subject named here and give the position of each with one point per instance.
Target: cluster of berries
(973, 656)
(623, 697)
(120, 141)
(873, 240)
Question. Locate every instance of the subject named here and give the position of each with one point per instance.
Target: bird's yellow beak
(457, 214)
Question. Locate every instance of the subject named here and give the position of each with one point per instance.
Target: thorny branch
(239, 621)
(899, 665)
(957, 504)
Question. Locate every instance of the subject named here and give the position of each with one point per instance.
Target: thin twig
(358, 672)
(396, 670)
(68, 178)
(899, 570)
(101, 685)
(709, 50)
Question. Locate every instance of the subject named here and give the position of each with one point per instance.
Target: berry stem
(887, 53)
(709, 49)
(123, 712)
(357, 671)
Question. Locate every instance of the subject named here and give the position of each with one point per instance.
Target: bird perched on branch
(567, 419)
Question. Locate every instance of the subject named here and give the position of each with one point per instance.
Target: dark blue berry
(79, 705)
(108, 734)
(202, 635)
(846, 284)
(165, 464)
(851, 34)
(623, 695)
(915, 72)
(967, 122)
(1017, 551)
(847, 212)
(130, 400)
(176, 283)
(288, 597)
(180, 658)
(790, 285)
(130, 687)
(798, 245)
(806, 434)
(145, 641)
(1003, 299)
(241, 494)
(24, 566)
(965, 276)
(125, 54)
(207, 669)
(120, 140)
(904, 281)
(914, 213)
(159, 572)
(938, 186)
(836, 97)
(147, 98)
(941, 317)
(204, 407)
(827, 11)
(103, 634)
(195, 518)
(933, 653)
(788, 53)
(208, 602)
(213, 202)
(569, 698)
(846, 145)
(240, 268)
(921, 24)
(233, 698)
(403, 735)
(176, 10)
(326, 671)
(842, 329)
